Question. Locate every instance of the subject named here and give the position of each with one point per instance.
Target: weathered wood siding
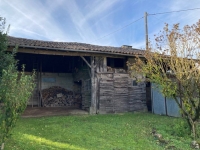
(137, 97)
(118, 94)
(106, 93)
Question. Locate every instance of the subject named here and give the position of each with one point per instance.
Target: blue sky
(86, 21)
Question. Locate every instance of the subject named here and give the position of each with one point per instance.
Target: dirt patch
(51, 111)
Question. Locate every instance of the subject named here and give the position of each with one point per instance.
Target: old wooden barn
(78, 75)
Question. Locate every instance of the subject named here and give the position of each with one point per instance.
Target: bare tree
(173, 63)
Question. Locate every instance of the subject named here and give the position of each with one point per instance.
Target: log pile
(56, 96)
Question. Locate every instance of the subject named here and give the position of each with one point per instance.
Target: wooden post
(104, 64)
(146, 29)
(93, 108)
(98, 64)
(40, 82)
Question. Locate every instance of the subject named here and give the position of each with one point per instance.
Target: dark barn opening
(59, 79)
(116, 62)
(148, 96)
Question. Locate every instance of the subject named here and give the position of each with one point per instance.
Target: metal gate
(162, 105)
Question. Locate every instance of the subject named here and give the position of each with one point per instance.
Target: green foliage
(15, 88)
(179, 129)
(5, 58)
(171, 65)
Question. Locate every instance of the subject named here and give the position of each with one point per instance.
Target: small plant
(180, 129)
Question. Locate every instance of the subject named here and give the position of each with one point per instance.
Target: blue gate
(162, 105)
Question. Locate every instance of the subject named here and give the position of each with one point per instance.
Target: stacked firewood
(56, 96)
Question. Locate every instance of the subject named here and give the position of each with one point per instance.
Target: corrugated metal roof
(72, 46)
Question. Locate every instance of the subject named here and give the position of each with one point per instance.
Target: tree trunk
(191, 121)
(194, 131)
(2, 146)
(193, 128)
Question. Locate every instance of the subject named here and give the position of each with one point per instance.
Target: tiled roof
(72, 46)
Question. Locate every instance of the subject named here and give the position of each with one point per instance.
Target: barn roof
(72, 46)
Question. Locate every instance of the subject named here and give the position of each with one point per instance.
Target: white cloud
(76, 16)
(101, 7)
(85, 21)
(34, 18)
(138, 44)
(94, 10)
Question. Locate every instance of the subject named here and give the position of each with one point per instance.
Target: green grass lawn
(127, 131)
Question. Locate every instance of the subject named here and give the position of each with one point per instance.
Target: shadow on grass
(44, 141)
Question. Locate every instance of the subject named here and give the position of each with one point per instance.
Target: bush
(15, 90)
(180, 129)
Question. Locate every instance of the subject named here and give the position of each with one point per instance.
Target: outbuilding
(79, 75)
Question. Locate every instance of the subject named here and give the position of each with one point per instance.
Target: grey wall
(64, 80)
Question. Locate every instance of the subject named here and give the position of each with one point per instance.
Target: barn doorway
(58, 79)
(148, 96)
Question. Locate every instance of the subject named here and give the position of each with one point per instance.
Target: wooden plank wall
(137, 97)
(118, 94)
(106, 93)
(121, 93)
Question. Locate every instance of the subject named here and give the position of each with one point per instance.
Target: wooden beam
(49, 52)
(104, 64)
(93, 108)
(97, 61)
(62, 53)
(40, 81)
(86, 61)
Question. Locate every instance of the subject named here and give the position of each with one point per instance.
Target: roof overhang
(68, 48)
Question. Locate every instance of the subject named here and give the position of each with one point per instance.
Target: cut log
(56, 96)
